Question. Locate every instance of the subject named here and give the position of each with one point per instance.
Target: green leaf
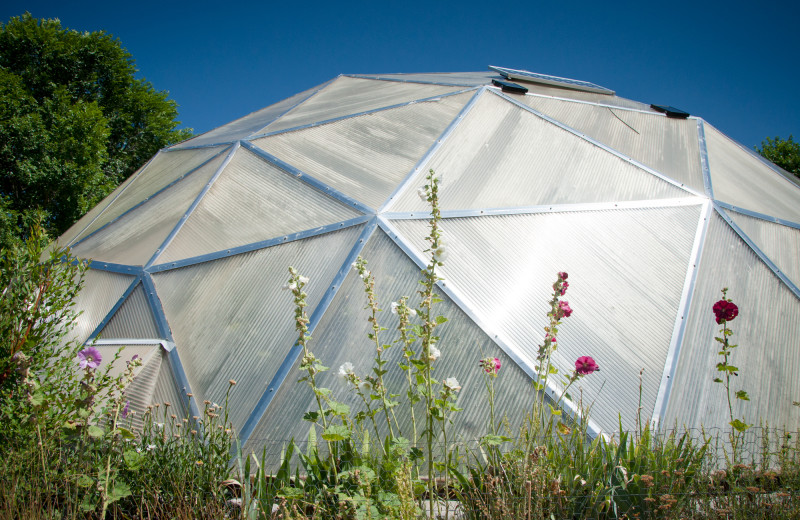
(95, 432)
(554, 411)
(118, 490)
(126, 434)
(741, 394)
(339, 408)
(133, 459)
(493, 440)
(337, 432)
(739, 426)
(440, 320)
(311, 416)
(717, 380)
(85, 481)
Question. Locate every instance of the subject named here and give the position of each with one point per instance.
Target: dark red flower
(565, 308)
(564, 287)
(585, 365)
(562, 275)
(725, 310)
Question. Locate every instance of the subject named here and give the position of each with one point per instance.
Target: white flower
(354, 265)
(423, 193)
(412, 312)
(159, 425)
(303, 279)
(151, 447)
(365, 386)
(289, 286)
(440, 254)
(365, 274)
(395, 305)
(434, 354)
(346, 370)
(452, 384)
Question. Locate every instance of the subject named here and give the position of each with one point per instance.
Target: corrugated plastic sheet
(252, 201)
(165, 390)
(741, 179)
(231, 320)
(366, 157)
(341, 336)
(668, 145)
(133, 320)
(627, 269)
(135, 237)
(95, 304)
(780, 243)
(767, 331)
(249, 124)
(346, 96)
(165, 168)
(501, 155)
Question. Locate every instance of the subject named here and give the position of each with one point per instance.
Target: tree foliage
(783, 152)
(74, 122)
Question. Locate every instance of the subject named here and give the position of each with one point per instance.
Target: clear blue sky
(733, 63)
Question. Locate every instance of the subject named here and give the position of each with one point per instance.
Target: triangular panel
(741, 179)
(137, 235)
(627, 270)
(164, 169)
(366, 157)
(341, 336)
(347, 96)
(766, 332)
(165, 390)
(249, 124)
(133, 320)
(668, 145)
(94, 305)
(230, 319)
(780, 243)
(252, 201)
(501, 155)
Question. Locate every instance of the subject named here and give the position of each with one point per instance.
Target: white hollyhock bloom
(395, 305)
(452, 384)
(365, 386)
(435, 353)
(289, 286)
(423, 194)
(346, 370)
(304, 279)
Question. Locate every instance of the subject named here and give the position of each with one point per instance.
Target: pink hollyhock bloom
(562, 275)
(490, 365)
(725, 310)
(89, 358)
(565, 308)
(564, 287)
(585, 365)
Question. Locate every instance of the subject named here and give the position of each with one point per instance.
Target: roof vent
(507, 86)
(553, 81)
(676, 113)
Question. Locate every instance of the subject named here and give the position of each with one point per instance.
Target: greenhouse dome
(651, 211)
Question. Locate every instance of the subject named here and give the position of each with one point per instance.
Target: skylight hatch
(544, 79)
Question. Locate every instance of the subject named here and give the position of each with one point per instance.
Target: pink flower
(89, 358)
(563, 305)
(585, 365)
(564, 287)
(490, 365)
(725, 310)
(562, 275)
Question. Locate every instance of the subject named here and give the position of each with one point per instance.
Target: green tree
(74, 122)
(783, 152)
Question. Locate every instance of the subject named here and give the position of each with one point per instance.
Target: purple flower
(125, 409)
(725, 310)
(89, 358)
(585, 365)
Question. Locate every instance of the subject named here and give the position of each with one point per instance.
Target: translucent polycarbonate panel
(346, 96)
(135, 237)
(366, 157)
(766, 332)
(139, 391)
(466, 79)
(341, 337)
(165, 390)
(741, 179)
(780, 243)
(668, 145)
(501, 155)
(164, 169)
(249, 124)
(231, 320)
(133, 320)
(249, 202)
(72, 233)
(590, 97)
(627, 270)
(101, 291)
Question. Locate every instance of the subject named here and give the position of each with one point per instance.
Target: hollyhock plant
(89, 358)
(490, 365)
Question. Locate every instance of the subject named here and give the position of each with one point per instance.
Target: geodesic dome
(650, 210)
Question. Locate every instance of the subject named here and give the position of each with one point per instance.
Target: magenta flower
(564, 287)
(89, 358)
(725, 310)
(585, 365)
(490, 365)
(563, 305)
(562, 275)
